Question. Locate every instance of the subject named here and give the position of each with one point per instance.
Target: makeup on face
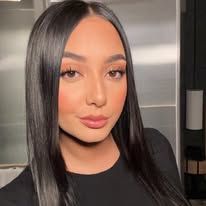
(75, 66)
(93, 82)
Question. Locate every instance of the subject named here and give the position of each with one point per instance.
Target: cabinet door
(200, 39)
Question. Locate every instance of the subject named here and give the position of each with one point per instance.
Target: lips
(94, 122)
(95, 118)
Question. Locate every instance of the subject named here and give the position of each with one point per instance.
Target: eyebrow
(78, 57)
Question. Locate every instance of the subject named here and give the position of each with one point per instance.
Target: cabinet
(193, 76)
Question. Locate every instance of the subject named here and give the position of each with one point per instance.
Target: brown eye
(116, 74)
(70, 73)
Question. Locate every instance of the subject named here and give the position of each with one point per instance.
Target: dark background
(193, 70)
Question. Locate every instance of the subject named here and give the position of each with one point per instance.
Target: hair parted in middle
(44, 54)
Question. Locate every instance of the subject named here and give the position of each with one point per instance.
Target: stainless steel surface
(10, 0)
(178, 142)
(15, 25)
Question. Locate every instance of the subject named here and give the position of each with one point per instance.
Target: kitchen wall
(16, 20)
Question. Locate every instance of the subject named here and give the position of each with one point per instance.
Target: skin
(92, 90)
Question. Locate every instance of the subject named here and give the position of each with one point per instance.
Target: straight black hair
(44, 53)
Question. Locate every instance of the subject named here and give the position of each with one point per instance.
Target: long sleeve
(163, 156)
(19, 192)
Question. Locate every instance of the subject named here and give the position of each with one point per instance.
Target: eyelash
(67, 71)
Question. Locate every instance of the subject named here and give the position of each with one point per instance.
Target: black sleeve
(18, 192)
(5, 202)
(163, 156)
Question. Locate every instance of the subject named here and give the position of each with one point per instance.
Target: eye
(116, 73)
(70, 73)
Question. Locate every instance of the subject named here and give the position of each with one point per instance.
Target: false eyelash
(118, 70)
(67, 70)
(122, 72)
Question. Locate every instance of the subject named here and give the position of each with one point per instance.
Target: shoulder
(160, 149)
(156, 141)
(163, 155)
(18, 191)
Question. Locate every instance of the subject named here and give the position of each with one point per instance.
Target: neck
(87, 158)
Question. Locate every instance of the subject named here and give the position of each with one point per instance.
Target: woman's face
(93, 80)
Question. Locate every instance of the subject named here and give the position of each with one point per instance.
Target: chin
(93, 140)
(93, 136)
(86, 136)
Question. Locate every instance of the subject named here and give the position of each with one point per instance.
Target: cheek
(63, 101)
(117, 97)
(68, 101)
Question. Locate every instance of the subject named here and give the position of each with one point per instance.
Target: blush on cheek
(68, 100)
(63, 101)
(119, 98)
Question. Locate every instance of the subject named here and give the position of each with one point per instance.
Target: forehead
(96, 36)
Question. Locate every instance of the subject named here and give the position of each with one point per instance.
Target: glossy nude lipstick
(94, 122)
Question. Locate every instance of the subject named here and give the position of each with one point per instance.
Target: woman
(86, 142)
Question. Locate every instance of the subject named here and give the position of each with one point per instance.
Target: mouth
(94, 122)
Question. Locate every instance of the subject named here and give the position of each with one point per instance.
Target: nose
(96, 92)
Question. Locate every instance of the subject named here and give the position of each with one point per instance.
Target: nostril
(96, 96)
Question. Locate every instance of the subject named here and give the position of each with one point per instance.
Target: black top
(114, 186)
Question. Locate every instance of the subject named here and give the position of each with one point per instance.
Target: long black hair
(44, 53)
